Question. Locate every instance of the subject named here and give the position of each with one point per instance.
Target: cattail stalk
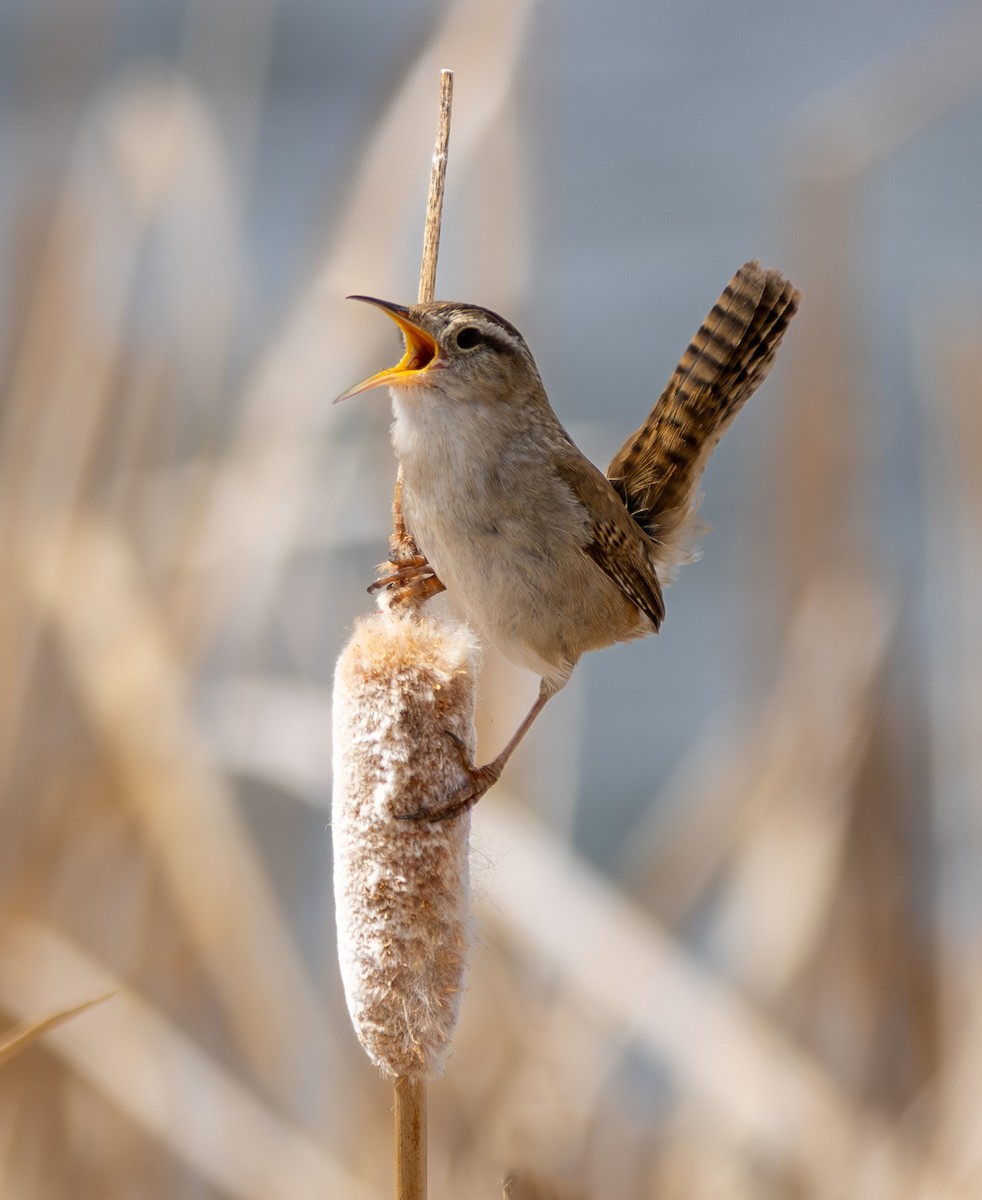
(403, 694)
(410, 1114)
(404, 699)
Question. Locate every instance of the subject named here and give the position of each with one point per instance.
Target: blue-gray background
(658, 147)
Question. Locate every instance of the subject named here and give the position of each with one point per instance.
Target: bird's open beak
(421, 351)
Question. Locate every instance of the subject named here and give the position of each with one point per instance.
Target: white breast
(501, 530)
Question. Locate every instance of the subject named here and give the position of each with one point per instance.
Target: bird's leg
(481, 779)
(402, 544)
(406, 575)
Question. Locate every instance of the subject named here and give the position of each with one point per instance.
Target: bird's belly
(524, 585)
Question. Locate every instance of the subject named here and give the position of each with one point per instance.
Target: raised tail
(657, 470)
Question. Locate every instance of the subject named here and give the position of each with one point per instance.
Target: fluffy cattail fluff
(403, 685)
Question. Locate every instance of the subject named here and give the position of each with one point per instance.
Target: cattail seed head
(403, 690)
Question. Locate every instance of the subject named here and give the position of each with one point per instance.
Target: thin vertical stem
(410, 1121)
(402, 545)
(434, 200)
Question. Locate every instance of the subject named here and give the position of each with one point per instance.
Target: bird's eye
(468, 338)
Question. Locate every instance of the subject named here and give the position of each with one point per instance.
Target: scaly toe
(409, 581)
(480, 781)
(400, 570)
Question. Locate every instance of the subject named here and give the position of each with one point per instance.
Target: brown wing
(657, 470)
(618, 546)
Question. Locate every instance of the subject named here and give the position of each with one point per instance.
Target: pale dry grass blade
(164, 158)
(133, 690)
(57, 416)
(795, 819)
(139, 146)
(544, 1100)
(53, 416)
(27, 1032)
(198, 217)
(158, 1077)
(958, 1141)
(805, 732)
(680, 844)
(745, 1074)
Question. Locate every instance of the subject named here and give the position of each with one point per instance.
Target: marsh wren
(545, 556)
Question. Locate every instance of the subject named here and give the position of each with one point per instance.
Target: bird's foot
(479, 781)
(408, 581)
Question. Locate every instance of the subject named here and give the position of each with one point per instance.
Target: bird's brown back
(657, 470)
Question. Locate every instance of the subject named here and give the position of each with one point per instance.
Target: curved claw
(400, 570)
(481, 780)
(411, 579)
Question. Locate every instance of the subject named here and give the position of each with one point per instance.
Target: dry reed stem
(410, 1091)
(162, 1080)
(760, 1087)
(57, 415)
(434, 200)
(797, 814)
(28, 1032)
(805, 735)
(431, 254)
(132, 689)
(404, 689)
(410, 1122)
(53, 414)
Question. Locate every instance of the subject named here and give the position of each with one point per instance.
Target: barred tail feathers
(658, 469)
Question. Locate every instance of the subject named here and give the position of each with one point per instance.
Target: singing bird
(546, 556)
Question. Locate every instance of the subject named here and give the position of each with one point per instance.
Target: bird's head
(469, 353)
